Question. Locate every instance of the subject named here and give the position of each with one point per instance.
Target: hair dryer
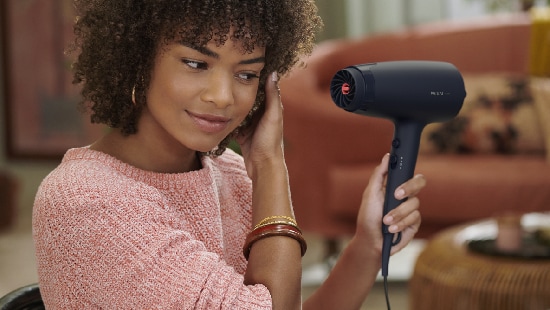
(412, 94)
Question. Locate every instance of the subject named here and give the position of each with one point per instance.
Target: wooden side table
(448, 275)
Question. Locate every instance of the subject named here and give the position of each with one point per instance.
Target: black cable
(387, 244)
(386, 292)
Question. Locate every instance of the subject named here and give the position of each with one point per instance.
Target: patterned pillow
(540, 88)
(498, 117)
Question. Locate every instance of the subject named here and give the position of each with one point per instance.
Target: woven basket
(448, 276)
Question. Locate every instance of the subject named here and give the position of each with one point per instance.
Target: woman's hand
(354, 274)
(262, 141)
(405, 218)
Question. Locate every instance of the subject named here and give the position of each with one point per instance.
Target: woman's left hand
(405, 218)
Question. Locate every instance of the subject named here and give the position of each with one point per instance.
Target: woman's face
(199, 95)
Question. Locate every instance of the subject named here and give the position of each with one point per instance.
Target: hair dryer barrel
(428, 91)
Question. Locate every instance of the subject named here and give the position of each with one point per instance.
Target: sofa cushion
(498, 116)
(459, 187)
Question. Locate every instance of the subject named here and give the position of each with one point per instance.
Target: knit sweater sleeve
(98, 248)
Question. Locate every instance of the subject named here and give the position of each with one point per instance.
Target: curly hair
(117, 41)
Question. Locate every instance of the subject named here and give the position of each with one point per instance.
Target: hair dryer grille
(343, 88)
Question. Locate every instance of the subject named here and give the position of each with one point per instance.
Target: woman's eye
(197, 65)
(248, 76)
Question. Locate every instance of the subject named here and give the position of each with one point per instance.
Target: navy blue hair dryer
(412, 94)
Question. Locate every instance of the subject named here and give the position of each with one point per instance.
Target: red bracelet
(271, 231)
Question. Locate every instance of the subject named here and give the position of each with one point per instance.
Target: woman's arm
(354, 274)
(275, 261)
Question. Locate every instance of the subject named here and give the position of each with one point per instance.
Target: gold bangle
(260, 225)
(269, 218)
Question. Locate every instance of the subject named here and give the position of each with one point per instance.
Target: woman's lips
(209, 123)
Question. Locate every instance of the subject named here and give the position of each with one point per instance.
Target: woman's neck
(149, 156)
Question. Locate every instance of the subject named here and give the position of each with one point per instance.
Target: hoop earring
(134, 94)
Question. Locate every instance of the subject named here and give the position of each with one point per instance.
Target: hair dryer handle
(403, 155)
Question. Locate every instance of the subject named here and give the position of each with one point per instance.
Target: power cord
(386, 292)
(387, 244)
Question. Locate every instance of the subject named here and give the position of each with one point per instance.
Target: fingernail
(389, 219)
(400, 193)
(393, 228)
(274, 76)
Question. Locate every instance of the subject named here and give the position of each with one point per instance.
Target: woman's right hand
(262, 141)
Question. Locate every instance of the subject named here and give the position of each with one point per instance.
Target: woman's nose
(219, 89)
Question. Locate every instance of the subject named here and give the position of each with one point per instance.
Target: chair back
(24, 298)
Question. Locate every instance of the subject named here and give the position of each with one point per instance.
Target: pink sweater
(111, 236)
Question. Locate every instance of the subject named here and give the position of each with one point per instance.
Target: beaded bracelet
(272, 230)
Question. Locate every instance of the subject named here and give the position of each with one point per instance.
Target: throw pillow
(540, 88)
(498, 116)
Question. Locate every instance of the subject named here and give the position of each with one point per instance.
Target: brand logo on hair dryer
(439, 93)
(412, 94)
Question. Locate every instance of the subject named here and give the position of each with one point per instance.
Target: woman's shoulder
(87, 179)
(85, 165)
(84, 171)
(230, 162)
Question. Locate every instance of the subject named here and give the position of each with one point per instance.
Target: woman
(157, 213)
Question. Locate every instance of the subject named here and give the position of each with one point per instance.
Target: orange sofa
(331, 153)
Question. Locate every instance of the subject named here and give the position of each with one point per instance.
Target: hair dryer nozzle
(344, 86)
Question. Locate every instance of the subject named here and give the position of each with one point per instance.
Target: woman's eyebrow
(210, 53)
(203, 50)
(255, 60)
